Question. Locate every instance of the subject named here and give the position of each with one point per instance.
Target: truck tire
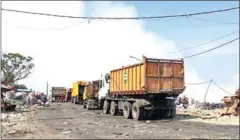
(74, 100)
(113, 108)
(88, 105)
(137, 112)
(168, 113)
(106, 107)
(84, 104)
(173, 113)
(127, 110)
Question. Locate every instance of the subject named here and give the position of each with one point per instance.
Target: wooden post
(206, 94)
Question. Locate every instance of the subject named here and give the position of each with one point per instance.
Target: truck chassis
(140, 107)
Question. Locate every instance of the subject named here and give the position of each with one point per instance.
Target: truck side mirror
(107, 78)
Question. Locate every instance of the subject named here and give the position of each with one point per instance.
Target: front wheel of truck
(106, 107)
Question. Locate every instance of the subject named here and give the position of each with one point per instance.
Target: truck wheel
(113, 108)
(106, 107)
(74, 100)
(173, 113)
(84, 104)
(88, 105)
(167, 113)
(127, 110)
(137, 112)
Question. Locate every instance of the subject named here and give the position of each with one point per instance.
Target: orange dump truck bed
(155, 76)
(92, 89)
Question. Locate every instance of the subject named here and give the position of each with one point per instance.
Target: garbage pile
(12, 100)
(189, 103)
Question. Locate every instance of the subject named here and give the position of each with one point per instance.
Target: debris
(65, 123)
(66, 132)
(10, 125)
(12, 132)
(4, 116)
(59, 128)
(148, 121)
(118, 133)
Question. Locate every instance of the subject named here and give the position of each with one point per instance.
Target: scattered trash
(12, 132)
(118, 133)
(148, 121)
(4, 116)
(66, 132)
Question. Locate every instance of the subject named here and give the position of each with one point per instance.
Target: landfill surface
(68, 121)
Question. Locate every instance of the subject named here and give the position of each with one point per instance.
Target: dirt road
(65, 120)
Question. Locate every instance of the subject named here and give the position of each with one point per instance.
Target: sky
(67, 50)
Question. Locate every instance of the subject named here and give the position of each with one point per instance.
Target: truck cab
(104, 87)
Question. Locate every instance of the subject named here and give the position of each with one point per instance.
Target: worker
(44, 99)
(62, 98)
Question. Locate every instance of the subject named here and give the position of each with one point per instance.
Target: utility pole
(205, 105)
(47, 89)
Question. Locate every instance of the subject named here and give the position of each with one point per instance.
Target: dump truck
(78, 89)
(144, 89)
(90, 96)
(68, 95)
(57, 93)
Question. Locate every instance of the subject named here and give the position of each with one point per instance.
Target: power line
(204, 43)
(206, 20)
(62, 28)
(211, 49)
(221, 88)
(122, 18)
(198, 83)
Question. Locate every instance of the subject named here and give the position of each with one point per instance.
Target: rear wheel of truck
(127, 110)
(77, 100)
(106, 107)
(84, 104)
(173, 113)
(167, 113)
(88, 105)
(74, 100)
(137, 112)
(113, 108)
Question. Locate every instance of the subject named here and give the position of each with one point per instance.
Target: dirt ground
(69, 121)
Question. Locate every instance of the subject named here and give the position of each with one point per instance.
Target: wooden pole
(206, 94)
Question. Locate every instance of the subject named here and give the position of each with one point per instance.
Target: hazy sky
(67, 50)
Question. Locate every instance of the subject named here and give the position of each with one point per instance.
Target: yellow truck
(78, 89)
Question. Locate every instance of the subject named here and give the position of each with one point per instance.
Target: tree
(15, 67)
(20, 86)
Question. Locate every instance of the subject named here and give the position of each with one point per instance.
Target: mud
(68, 121)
